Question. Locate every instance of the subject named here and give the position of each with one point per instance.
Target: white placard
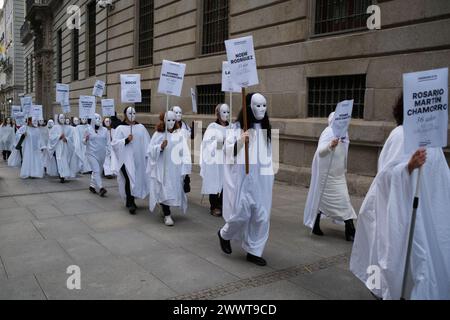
(130, 88)
(194, 100)
(65, 107)
(99, 88)
(62, 93)
(15, 110)
(425, 109)
(342, 118)
(228, 85)
(108, 108)
(36, 112)
(20, 119)
(26, 103)
(87, 107)
(171, 79)
(242, 59)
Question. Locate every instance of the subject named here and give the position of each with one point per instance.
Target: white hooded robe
(66, 158)
(32, 166)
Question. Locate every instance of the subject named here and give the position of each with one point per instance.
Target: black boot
(62, 180)
(102, 192)
(224, 244)
(316, 230)
(256, 260)
(132, 208)
(92, 190)
(349, 230)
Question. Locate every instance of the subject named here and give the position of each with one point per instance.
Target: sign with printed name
(108, 108)
(425, 109)
(171, 79)
(130, 88)
(87, 107)
(342, 118)
(36, 112)
(20, 119)
(194, 100)
(242, 59)
(99, 88)
(15, 110)
(228, 85)
(26, 103)
(62, 93)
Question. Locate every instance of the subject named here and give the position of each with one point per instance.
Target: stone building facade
(310, 54)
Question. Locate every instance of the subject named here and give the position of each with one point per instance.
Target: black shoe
(92, 190)
(316, 230)
(256, 260)
(132, 210)
(102, 192)
(62, 180)
(349, 230)
(225, 244)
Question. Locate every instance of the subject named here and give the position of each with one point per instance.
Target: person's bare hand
(334, 143)
(164, 145)
(62, 137)
(130, 137)
(417, 160)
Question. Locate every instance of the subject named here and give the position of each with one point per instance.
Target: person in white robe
(129, 159)
(185, 128)
(97, 143)
(43, 131)
(328, 193)
(62, 143)
(7, 136)
(84, 166)
(107, 169)
(248, 217)
(51, 168)
(169, 163)
(31, 150)
(384, 220)
(212, 159)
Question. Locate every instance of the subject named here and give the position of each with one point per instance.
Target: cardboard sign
(171, 79)
(425, 109)
(99, 88)
(194, 100)
(242, 59)
(36, 112)
(130, 88)
(26, 103)
(15, 110)
(108, 108)
(62, 93)
(342, 118)
(228, 85)
(87, 107)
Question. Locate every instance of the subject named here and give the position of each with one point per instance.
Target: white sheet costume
(384, 220)
(7, 136)
(131, 156)
(167, 168)
(48, 155)
(335, 202)
(185, 128)
(67, 160)
(96, 139)
(81, 129)
(107, 169)
(32, 166)
(248, 198)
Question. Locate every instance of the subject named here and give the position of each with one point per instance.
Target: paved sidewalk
(46, 226)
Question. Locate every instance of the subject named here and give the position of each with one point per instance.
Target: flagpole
(411, 235)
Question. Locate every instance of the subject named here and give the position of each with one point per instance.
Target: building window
(31, 73)
(340, 15)
(145, 105)
(59, 56)
(146, 14)
(325, 93)
(215, 25)
(27, 75)
(208, 97)
(75, 53)
(92, 32)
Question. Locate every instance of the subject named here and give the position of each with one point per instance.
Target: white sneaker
(168, 221)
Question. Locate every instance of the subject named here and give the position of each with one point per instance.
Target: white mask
(224, 112)
(50, 124)
(83, 120)
(131, 114)
(34, 123)
(178, 113)
(61, 119)
(76, 121)
(41, 123)
(259, 106)
(67, 121)
(8, 121)
(97, 120)
(170, 120)
(108, 122)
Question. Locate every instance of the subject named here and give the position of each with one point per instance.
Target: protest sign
(20, 119)
(130, 88)
(15, 110)
(342, 118)
(87, 107)
(26, 103)
(242, 59)
(99, 88)
(171, 79)
(36, 112)
(62, 93)
(228, 85)
(108, 108)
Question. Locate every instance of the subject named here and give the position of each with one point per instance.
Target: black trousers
(6, 154)
(127, 185)
(166, 209)
(215, 200)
